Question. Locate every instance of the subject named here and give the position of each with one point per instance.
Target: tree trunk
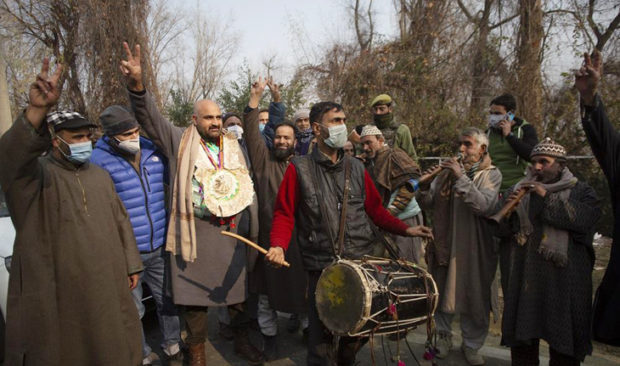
(529, 81)
(5, 104)
(480, 68)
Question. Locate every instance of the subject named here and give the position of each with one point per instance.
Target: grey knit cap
(117, 119)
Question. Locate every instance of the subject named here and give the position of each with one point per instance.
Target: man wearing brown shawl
(462, 259)
(211, 186)
(395, 175)
(69, 299)
(546, 260)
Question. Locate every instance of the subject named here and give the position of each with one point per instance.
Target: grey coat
(473, 258)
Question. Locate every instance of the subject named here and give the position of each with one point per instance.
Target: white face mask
(131, 146)
(237, 130)
(337, 136)
(494, 119)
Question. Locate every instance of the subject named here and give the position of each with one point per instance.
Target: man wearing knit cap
(546, 260)
(396, 134)
(75, 259)
(395, 175)
(304, 134)
(139, 172)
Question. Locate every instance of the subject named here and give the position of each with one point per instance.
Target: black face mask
(383, 120)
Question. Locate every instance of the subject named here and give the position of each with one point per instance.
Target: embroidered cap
(548, 147)
(67, 120)
(370, 130)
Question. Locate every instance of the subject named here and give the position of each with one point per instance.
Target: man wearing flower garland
(211, 185)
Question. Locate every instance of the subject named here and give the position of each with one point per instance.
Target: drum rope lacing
(375, 286)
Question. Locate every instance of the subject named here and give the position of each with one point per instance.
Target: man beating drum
(332, 197)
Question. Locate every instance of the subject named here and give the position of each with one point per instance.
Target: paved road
(293, 352)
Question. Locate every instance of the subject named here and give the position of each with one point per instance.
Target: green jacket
(398, 135)
(505, 158)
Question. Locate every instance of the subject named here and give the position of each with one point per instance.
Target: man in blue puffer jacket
(139, 172)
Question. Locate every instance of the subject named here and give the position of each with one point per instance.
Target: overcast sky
(290, 30)
(293, 31)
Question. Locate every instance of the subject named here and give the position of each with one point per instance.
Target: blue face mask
(337, 136)
(79, 152)
(261, 127)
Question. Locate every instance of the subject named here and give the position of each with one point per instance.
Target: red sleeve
(284, 210)
(379, 215)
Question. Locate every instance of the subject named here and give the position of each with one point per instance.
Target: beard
(210, 134)
(283, 154)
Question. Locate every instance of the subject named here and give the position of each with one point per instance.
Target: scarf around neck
(554, 242)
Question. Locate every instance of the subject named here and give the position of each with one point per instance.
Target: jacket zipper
(146, 203)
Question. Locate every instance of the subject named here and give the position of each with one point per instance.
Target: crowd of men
(146, 203)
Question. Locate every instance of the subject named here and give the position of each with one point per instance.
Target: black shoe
(245, 349)
(226, 332)
(270, 347)
(293, 323)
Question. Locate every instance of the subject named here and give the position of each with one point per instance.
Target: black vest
(313, 238)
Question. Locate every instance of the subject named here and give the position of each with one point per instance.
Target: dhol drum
(374, 297)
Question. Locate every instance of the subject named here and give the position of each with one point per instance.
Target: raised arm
(602, 136)
(163, 133)
(257, 148)
(277, 111)
(28, 137)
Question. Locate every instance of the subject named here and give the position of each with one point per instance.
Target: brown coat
(69, 301)
(218, 276)
(285, 287)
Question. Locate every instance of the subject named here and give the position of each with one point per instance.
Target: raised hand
(132, 68)
(44, 94)
(274, 89)
(453, 165)
(256, 92)
(45, 91)
(588, 76)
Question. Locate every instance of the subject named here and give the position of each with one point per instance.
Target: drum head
(341, 299)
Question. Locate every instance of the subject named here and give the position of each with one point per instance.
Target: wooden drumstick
(250, 243)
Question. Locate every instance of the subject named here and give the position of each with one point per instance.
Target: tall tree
(484, 60)
(528, 86)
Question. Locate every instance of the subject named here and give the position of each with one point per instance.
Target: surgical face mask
(79, 152)
(237, 130)
(495, 119)
(383, 120)
(131, 146)
(261, 127)
(337, 136)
